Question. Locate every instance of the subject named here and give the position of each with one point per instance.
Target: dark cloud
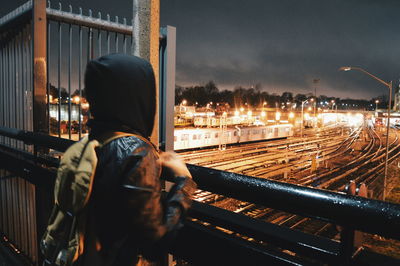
(282, 44)
(285, 44)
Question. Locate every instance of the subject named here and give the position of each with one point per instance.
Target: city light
(236, 113)
(291, 115)
(249, 113)
(277, 116)
(241, 109)
(76, 99)
(263, 114)
(184, 102)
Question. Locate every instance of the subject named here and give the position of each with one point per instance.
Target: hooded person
(127, 216)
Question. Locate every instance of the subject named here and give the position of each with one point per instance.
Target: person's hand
(173, 166)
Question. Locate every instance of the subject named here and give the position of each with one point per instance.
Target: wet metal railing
(17, 209)
(43, 51)
(72, 40)
(350, 212)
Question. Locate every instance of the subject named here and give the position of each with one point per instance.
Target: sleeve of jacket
(154, 219)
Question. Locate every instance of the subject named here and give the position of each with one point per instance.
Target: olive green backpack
(63, 240)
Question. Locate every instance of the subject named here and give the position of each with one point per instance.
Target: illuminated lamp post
(389, 85)
(376, 104)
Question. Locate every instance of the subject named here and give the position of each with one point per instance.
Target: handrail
(372, 216)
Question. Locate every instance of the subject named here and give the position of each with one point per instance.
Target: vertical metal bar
(17, 94)
(8, 89)
(1, 94)
(8, 109)
(5, 89)
(108, 36)
(2, 199)
(33, 223)
(22, 214)
(90, 44)
(167, 89)
(80, 81)
(124, 41)
(124, 38)
(59, 78)
(39, 57)
(116, 43)
(132, 46)
(11, 87)
(17, 85)
(108, 42)
(69, 81)
(48, 75)
(29, 101)
(99, 37)
(99, 41)
(116, 36)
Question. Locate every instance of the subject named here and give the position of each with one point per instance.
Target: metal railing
(350, 212)
(43, 51)
(72, 40)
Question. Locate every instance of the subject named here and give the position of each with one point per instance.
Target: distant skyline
(281, 44)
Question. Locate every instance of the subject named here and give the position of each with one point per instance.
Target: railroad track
(365, 166)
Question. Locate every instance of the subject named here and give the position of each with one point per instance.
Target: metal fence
(72, 40)
(42, 91)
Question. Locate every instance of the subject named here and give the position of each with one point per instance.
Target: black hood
(121, 93)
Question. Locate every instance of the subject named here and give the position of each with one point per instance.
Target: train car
(207, 137)
(202, 121)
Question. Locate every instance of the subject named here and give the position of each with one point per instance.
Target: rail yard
(335, 158)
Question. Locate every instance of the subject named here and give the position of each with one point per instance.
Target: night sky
(282, 44)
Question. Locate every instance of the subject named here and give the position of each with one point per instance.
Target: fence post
(40, 121)
(40, 116)
(167, 87)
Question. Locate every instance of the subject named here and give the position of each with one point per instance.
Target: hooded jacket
(127, 215)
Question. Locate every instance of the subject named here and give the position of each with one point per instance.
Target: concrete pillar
(146, 39)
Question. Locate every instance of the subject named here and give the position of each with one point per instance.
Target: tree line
(201, 95)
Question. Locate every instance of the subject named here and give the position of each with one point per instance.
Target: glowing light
(236, 113)
(241, 109)
(263, 114)
(277, 116)
(265, 103)
(249, 113)
(291, 115)
(306, 116)
(309, 108)
(76, 99)
(184, 102)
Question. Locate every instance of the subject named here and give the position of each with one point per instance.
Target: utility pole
(315, 81)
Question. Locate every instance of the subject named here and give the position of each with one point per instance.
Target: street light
(389, 85)
(302, 115)
(376, 104)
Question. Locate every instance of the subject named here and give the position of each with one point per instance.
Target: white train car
(205, 137)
